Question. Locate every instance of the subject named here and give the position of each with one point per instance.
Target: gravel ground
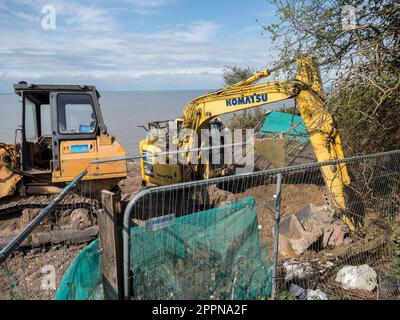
(22, 275)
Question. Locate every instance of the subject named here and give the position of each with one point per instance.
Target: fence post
(277, 220)
(110, 228)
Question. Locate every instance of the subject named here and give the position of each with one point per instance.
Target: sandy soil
(295, 197)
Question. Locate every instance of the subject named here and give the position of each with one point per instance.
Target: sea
(123, 113)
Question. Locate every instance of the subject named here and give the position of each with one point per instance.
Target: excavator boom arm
(201, 111)
(307, 90)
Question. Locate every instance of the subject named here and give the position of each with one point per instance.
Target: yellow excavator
(62, 132)
(201, 113)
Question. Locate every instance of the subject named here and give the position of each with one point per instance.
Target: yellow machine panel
(155, 172)
(76, 156)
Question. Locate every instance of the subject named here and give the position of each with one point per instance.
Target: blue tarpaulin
(291, 126)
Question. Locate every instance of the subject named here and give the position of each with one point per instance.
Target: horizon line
(121, 91)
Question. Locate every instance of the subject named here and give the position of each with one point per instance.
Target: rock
(311, 225)
(360, 277)
(285, 248)
(290, 229)
(80, 219)
(335, 235)
(28, 215)
(13, 225)
(307, 240)
(65, 218)
(311, 213)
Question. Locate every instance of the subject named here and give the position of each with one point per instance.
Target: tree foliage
(235, 74)
(360, 63)
(246, 120)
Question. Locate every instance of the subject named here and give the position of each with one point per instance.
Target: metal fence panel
(196, 242)
(327, 256)
(315, 249)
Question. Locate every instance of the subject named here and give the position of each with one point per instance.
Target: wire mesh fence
(34, 271)
(318, 251)
(193, 240)
(215, 239)
(184, 244)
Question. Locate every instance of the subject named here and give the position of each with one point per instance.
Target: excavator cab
(62, 132)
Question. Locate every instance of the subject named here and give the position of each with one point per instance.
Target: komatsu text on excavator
(62, 132)
(306, 89)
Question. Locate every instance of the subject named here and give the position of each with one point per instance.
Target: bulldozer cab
(62, 132)
(51, 114)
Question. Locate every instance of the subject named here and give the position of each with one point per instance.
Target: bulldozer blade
(8, 179)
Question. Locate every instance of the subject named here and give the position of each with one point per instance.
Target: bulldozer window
(31, 129)
(76, 114)
(45, 117)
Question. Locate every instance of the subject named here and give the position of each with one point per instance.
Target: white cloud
(197, 32)
(91, 19)
(177, 72)
(25, 16)
(89, 45)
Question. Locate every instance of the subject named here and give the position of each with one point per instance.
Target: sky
(126, 45)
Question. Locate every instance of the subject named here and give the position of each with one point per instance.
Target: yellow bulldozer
(62, 132)
(202, 112)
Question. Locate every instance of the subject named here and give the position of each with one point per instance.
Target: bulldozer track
(14, 204)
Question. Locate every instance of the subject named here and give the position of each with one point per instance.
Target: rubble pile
(310, 228)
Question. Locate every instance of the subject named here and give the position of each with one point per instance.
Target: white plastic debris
(297, 291)
(361, 277)
(316, 295)
(309, 294)
(296, 270)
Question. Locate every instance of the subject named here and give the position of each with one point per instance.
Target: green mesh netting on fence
(83, 278)
(214, 254)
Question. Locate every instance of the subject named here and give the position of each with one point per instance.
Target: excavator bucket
(8, 179)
